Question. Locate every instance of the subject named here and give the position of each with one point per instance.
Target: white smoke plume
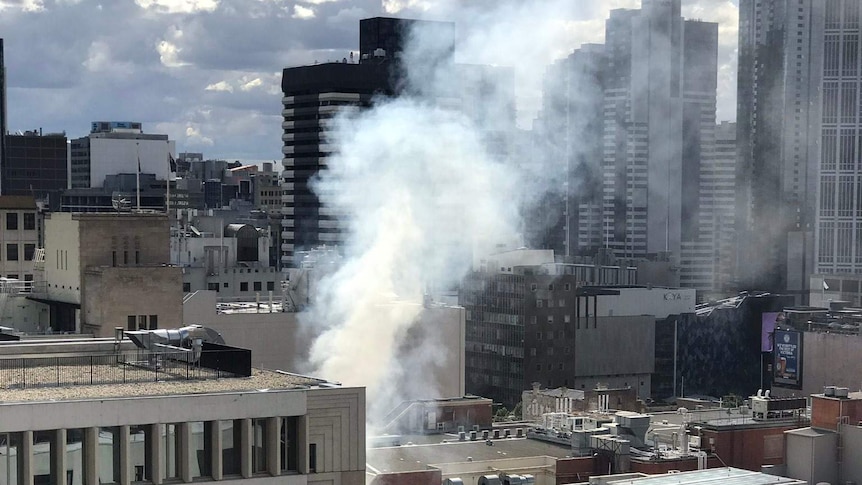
(427, 181)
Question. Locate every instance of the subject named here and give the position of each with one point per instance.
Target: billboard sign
(767, 327)
(787, 358)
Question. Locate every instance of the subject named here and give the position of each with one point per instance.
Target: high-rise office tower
(3, 127)
(314, 95)
(798, 137)
(655, 102)
(659, 115)
(569, 130)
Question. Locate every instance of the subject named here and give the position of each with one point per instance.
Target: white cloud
(220, 86)
(300, 12)
(195, 138)
(169, 54)
(395, 6)
(251, 84)
(98, 56)
(179, 6)
(25, 5)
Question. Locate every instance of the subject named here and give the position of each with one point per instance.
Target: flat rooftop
(711, 476)
(417, 457)
(260, 379)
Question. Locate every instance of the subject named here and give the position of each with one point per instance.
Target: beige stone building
(187, 426)
(110, 270)
(20, 224)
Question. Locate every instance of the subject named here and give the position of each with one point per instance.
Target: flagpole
(168, 201)
(138, 176)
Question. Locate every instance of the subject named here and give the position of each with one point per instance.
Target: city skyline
(208, 74)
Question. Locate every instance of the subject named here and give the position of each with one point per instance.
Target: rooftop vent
(829, 391)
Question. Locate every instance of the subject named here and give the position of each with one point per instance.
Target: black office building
(36, 165)
(3, 128)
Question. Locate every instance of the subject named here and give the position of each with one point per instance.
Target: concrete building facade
(546, 323)
(97, 264)
(20, 236)
(272, 427)
(118, 147)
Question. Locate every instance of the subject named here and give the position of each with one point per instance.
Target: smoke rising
(428, 183)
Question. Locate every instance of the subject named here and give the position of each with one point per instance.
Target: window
(532, 351)
(12, 252)
(74, 458)
(113, 258)
(201, 451)
(125, 257)
(550, 319)
(225, 284)
(132, 322)
(154, 322)
(257, 286)
(12, 221)
(29, 251)
(568, 286)
(312, 458)
(289, 444)
(258, 446)
(109, 455)
(532, 287)
(550, 351)
(567, 318)
(243, 286)
(532, 319)
(139, 458)
(142, 322)
(170, 451)
(29, 221)
(538, 303)
(270, 286)
(230, 435)
(562, 303)
(212, 286)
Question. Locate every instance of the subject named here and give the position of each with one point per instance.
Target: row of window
(111, 453)
(13, 251)
(243, 286)
(12, 221)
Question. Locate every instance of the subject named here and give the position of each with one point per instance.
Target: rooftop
(260, 379)
(418, 457)
(725, 476)
(17, 202)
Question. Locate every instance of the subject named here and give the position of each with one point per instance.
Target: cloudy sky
(208, 72)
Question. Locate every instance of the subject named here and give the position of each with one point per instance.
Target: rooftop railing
(124, 367)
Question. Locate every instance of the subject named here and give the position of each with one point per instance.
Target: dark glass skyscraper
(313, 95)
(3, 127)
(800, 210)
